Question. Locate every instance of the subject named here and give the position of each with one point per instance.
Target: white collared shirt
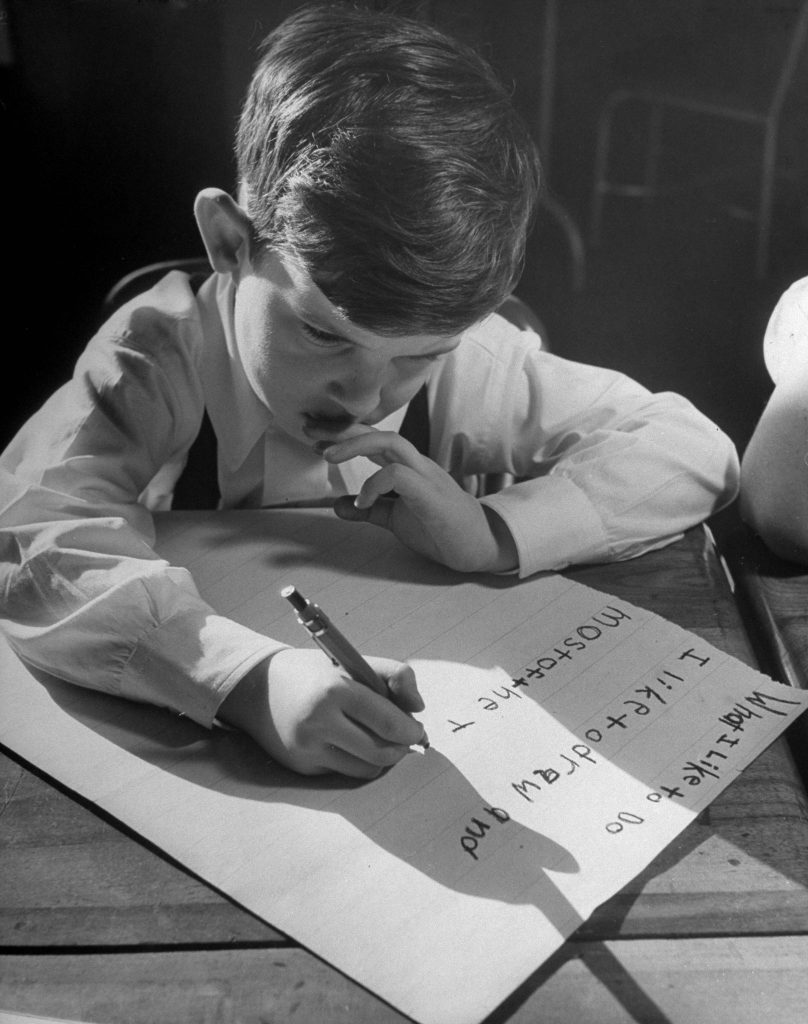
(610, 471)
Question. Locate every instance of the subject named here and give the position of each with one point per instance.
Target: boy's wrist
(506, 557)
(241, 706)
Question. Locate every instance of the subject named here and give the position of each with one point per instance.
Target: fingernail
(322, 446)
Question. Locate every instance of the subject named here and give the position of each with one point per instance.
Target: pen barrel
(332, 642)
(344, 654)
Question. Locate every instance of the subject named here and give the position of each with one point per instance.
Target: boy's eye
(319, 337)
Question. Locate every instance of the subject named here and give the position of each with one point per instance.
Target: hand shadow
(423, 811)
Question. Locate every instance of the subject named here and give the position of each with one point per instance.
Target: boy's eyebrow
(316, 320)
(321, 325)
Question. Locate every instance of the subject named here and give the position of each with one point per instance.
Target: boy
(774, 474)
(386, 187)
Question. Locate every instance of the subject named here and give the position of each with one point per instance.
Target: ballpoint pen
(341, 652)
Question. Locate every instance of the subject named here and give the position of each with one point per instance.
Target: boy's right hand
(308, 715)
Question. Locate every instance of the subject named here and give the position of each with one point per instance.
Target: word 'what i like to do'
(718, 756)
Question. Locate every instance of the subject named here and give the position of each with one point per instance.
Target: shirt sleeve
(605, 469)
(84, 595)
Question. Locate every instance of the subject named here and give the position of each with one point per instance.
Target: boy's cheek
(404, 393)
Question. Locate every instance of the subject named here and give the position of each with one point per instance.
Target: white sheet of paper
(11, 1017)
(573, 737)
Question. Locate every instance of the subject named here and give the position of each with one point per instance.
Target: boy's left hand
(432, 514)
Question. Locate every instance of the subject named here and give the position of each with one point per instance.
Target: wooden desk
(95, 925)
(772, 597)
(774, 603)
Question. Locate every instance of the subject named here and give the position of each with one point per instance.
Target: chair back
(143, 278)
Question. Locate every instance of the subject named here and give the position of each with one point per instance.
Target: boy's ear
(225, 228)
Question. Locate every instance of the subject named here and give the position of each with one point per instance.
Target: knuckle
(302, 736)
(391, 755)
(404, 731)
(304, 766)
(308, 733)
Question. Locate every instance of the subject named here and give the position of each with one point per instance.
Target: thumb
(379, 513)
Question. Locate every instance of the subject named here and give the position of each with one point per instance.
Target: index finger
(401, 682)
(380, 446)
(381, 717)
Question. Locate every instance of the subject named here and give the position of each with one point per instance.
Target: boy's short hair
(387, 157)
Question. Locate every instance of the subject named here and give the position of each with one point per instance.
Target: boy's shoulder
(494, 363)
(170, 300)
(157, 324)
(496, 343)
(163, 328)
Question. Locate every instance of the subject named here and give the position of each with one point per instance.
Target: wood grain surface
(99, 926)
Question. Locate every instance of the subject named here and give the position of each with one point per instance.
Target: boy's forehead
(292, 278)
(303, 294)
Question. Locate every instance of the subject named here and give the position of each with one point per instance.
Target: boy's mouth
(326, 423)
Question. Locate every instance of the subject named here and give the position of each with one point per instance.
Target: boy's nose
(359, 393)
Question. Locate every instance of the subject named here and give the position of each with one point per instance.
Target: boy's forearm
(88, 601)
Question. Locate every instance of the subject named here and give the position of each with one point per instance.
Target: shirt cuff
(553, 524)
(191, 661)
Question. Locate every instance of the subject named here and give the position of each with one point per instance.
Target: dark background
(119, 111)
